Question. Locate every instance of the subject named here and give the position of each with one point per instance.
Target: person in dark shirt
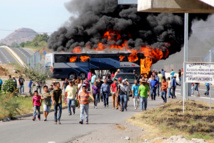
(109, 81)
(179, 76)
(57, 102)
(99, 84)
(65, 84)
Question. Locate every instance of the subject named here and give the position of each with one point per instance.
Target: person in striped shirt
(83, 98)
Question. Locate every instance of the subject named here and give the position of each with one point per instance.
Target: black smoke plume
(92, 18)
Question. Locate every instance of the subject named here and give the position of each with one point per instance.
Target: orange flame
(73, 59)
(145, 65)
(152, 54)
(121, 57)
(77, 50)
(133, 56)
(84, 58)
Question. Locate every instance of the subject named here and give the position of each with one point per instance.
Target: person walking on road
(197, 88)
(30, 86)
(135, 95)
(153, 84)
(122, 93)
(163, 73)
(179, 76)
(113, 92)
(164, 86)
(46, 97)
(99, 84)
(21, 85)
(1, 83)
(172, 73)
(95, 92)
(143, 91)
(57, 102)
(65, 84)
(83, 98)
(36, 105)
(169, 87)
(160, 76)
(105, 91)
(71, 92)
(208, 89)
(93, 78)
(173, 87)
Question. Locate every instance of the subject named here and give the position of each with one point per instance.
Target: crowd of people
(79, 92)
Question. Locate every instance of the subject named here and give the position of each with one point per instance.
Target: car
(131, 78)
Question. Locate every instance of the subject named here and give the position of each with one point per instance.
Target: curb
(31, 114)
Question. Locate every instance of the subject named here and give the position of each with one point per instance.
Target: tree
(22, 44)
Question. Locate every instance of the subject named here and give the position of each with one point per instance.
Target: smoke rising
(92, 18)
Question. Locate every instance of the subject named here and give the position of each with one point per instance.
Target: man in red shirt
(113, 92)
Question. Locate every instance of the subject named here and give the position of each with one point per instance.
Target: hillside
(19, 35)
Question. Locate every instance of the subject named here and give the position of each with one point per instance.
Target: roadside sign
(199, 72)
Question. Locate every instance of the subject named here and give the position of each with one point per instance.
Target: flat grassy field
(169, 120)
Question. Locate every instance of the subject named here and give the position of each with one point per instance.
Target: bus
(70, 65)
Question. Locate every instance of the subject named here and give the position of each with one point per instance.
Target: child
(47, 102)
(36, 105)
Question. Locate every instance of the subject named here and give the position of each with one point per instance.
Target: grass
(168, 120)
(9, 104)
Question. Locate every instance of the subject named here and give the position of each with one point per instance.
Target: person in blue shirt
(105, 91)
(135, 95)
(173, 86)
(158, 87)
(1, 82)
(30, 85)
(172, 74)
(163, 72)
(153, 84)
(93, 78)
(208, 89)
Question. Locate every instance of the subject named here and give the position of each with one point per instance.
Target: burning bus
(71, 65)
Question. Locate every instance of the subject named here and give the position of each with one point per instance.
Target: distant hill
(19, 35)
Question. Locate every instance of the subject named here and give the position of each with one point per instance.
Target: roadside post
(210, 83)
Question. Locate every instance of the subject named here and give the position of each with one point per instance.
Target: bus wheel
(71, 76)
(82, 75)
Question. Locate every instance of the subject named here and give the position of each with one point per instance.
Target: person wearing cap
(143, 91)
(57, 102)
(71, 92)
(105, 91)
(122, 93)
(83, 98)
(113, 92)
(135, 94)
(36, 105)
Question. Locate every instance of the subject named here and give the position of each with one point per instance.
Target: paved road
(22, 53)
(25, 130)
(7, 57)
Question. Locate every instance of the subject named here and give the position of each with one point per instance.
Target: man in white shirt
(71, 92)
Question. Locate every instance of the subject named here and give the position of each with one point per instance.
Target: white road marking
(5, 56)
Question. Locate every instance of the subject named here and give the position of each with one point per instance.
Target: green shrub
(9, 86)
(9, 106)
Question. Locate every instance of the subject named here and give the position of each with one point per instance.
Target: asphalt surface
(22, 53)
(6, 57)
(25, 130)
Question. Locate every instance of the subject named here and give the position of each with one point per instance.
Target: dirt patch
(120, 127)
(196, 122)
(3, 71)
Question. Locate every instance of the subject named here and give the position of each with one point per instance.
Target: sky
(39, 15)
